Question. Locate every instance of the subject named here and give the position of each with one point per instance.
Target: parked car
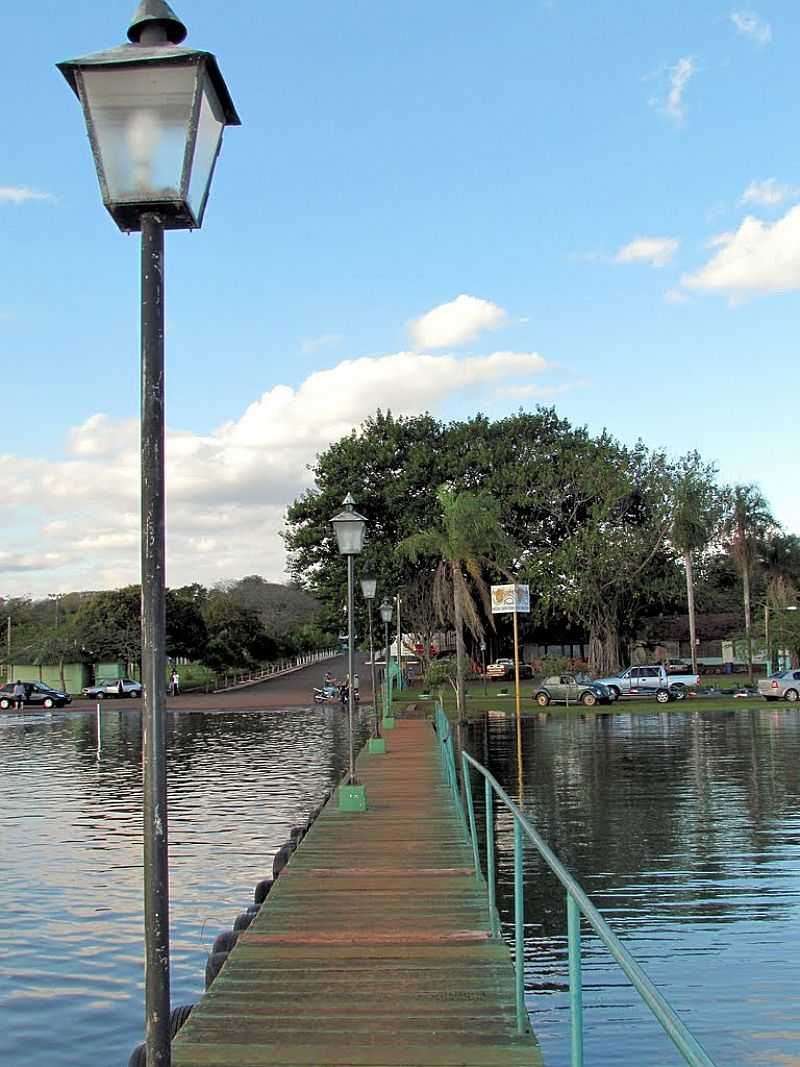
(648, 680)
(572, 689)
(113, 687)
(785, 685)
(503, 670)
(36, 693)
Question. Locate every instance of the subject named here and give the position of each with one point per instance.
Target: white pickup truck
(651, 680)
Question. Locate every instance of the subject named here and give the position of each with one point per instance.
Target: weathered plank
(374, 947)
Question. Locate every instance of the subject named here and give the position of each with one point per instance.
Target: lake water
(683, 827)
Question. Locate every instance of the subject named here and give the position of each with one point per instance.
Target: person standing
(175, 683)
(19, 695)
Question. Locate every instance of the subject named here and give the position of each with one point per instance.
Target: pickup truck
(651, 680)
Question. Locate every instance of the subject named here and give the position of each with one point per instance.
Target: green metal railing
(578, 905)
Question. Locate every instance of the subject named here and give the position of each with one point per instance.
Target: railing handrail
(688, 1045)
(280, 667)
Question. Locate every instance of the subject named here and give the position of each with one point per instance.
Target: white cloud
(657, 251)
(325, 340)
(671, 101)
(452, 324)
(758, 257)
(769, 193)
(10, 194)
(672, 104)
(748, 24)
(227, 489)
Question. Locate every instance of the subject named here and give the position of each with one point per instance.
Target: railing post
(466, 776)
(575, 980)
(519, 929)
(490, 875)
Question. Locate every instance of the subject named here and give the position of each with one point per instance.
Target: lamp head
(349, 528)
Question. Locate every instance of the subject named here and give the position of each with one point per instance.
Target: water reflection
(685, 831)
(71, 980)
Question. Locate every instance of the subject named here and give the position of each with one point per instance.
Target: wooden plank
(374, 947)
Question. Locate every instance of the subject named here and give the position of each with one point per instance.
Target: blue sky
(428, 206)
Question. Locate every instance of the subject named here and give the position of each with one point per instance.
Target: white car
(113, 687)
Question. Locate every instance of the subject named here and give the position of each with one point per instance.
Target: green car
(572, 689)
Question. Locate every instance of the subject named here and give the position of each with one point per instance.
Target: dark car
(113, 687)
(36, 693)
(572, 689)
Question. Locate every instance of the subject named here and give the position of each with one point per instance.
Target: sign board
(514, 599)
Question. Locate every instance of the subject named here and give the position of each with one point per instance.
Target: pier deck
(373, 948)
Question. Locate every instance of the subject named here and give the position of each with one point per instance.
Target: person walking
(19, 695)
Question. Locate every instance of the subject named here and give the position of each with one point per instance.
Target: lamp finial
(156, 15)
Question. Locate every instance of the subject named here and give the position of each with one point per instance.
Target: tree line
(605, 534)
(236, 624)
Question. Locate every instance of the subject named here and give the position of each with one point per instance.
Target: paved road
(288, 691)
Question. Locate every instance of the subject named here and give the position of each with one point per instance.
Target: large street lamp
(369, 587)
(349, 528)
(386, 616)
(155, 114)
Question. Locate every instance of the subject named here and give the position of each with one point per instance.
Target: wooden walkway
(373, 948)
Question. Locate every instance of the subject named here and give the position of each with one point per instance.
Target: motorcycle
(326, 694)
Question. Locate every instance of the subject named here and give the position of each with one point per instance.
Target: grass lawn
(478, 705)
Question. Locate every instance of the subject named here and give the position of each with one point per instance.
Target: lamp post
(369, 586)
(155, 115)
(483, 665)
(349, 528)
(386, 616)
(399, 645)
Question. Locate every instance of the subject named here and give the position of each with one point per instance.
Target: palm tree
(748, 523)
(698, 509)
(466, 541)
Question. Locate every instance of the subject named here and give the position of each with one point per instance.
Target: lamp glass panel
(209, 135)
(369, 587)
(386, 612)
(349, 535)
(141, 117)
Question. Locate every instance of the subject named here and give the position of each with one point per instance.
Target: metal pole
(156, 863)
(766, 640)
(483, 666)
(399, 647)
(386, 680)
(372, 664)
(350, 672)
(575, 981)
(519, 930)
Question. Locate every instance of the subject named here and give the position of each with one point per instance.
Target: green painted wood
(374, 948)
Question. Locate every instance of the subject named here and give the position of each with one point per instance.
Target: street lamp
(386, 616)
(155, 115)
(349, 528)
(369, 586)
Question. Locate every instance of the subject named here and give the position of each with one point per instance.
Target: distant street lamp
(483, 665)
(386, 616)
(155, 115)
(369, 586)
(349, 528)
